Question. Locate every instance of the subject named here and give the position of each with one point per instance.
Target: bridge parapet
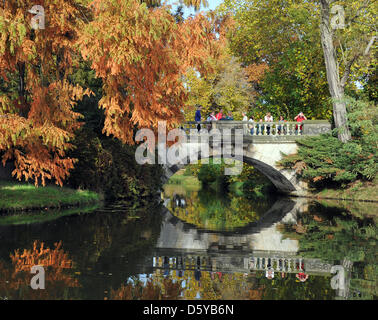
(276, 129)
(255, 261)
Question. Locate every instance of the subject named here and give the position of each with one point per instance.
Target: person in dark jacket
(197, 117)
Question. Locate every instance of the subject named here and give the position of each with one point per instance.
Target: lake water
(197, 245)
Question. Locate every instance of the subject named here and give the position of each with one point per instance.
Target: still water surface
(197, 245)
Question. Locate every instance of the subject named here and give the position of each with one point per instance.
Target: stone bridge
(261, 148)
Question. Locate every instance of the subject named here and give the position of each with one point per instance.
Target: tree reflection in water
(223, 286)
(16, 276)
(208, 210)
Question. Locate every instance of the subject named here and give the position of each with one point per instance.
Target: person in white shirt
(209, 119)
(245, 126)
(268, 118)
(251, 125)
(269, 273)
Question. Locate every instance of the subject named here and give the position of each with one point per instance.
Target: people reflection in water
(180, 268)
(179, 201)
(166, 266)
(269, 271)
(301, 276)
(197, 272)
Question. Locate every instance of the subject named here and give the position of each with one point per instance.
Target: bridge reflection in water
(258, 246)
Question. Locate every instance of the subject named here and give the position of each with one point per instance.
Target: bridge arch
(285, 181)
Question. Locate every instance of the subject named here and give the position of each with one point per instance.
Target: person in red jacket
(219, 115)
(299, 118)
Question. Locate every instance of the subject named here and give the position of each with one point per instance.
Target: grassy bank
(16, 196)
(190, 182)
(358, 191)
(20, 217)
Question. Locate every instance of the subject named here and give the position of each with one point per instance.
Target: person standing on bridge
(251, 125)
(299, 118)
(197, 117)
(281, 128)
(268, 118)
(245, 119)
(230, 117)
(260, 127)
(219, 115)
(211, 117)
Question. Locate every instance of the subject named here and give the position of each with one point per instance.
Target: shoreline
(315, 197)
(18, 198)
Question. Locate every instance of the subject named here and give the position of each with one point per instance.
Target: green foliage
(254, 184)
(209, 173)
(288, 288)
(217, 211)
(233, 92)
(333, 234)
(297, 83)
(285, 35)
(227, 88)
(106, 165)
(324, 160)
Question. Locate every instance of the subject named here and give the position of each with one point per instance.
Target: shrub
(208, 173)
(108, 166)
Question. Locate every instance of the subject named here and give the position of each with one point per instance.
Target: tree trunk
(21, 89)
(335, 88)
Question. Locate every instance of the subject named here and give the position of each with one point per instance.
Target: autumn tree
(228, 87)
(196, 4)
(140, 53)
(143, 61)
(37, 120)
(233, 91)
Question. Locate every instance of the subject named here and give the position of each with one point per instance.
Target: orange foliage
(256, 72)
(255, 294)
(143, 61)
(37, 119)
(168, 290)
(56, 264)
(140, 53)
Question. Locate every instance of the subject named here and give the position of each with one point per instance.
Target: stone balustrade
(245, 263)
(276, 129)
